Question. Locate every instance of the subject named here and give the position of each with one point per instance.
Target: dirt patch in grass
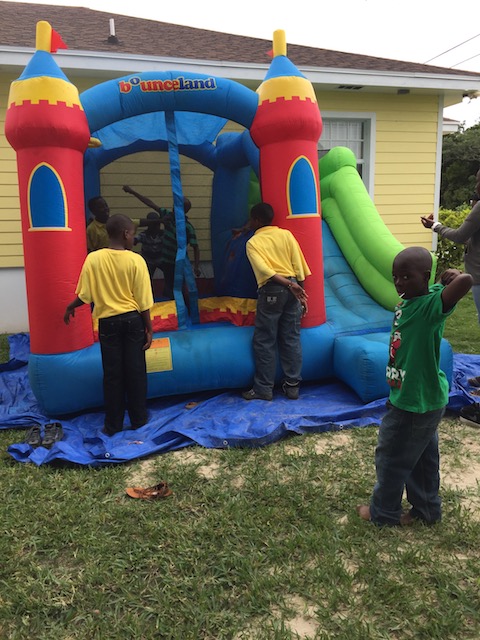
(460, 472)
(337, 440)
(142, 474)
(303, 623)
(463, 471)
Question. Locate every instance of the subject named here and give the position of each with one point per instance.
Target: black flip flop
(34, 436)
(53, 433)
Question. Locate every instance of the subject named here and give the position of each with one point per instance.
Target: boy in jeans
(407, 453)
(116, 280)
(280, 270)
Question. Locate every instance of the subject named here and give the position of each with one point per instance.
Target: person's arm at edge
(70, 310)
(146, 201)
(457, 284)
(147, 322)
(469, 226)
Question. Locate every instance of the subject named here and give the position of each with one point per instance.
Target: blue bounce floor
(212, 420)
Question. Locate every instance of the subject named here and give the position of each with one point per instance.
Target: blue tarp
(212, 420)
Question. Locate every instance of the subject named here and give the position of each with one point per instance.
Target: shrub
(450, 254)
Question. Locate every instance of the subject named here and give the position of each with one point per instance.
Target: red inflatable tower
(286, 129)
(47, 127)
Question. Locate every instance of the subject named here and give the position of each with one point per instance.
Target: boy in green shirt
(407, 450)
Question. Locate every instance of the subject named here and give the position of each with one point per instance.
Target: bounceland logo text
(171, 84)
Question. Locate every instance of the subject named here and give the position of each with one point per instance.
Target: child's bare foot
(363, 511)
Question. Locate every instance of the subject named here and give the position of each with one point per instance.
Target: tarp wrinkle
(211, 420)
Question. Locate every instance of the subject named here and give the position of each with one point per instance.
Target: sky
(411, 30)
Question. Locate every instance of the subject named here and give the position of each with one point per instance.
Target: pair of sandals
(53, 433)
(160, 490)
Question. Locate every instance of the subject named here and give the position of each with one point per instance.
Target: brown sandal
(161, 490)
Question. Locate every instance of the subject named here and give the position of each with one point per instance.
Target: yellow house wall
(404, 172)
(405, 139)
(11, 249)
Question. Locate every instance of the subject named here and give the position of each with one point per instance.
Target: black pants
(168, 269)
(124, 370)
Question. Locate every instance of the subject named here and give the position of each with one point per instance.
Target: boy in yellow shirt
(116, 280)
(280, 269)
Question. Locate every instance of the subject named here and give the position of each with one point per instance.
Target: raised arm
(457, 284)
(146, 201)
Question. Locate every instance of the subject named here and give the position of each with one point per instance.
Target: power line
(467, 60)
(452, 48)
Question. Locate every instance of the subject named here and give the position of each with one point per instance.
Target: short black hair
(263, 212)
(419, 257)
(117, 224)
(93, 201)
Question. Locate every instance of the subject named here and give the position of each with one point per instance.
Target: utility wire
(467, 60)
(452, 48)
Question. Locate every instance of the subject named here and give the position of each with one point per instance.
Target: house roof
(88, 30)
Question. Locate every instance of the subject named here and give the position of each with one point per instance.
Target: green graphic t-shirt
(413, 371)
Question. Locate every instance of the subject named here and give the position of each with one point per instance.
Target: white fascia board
(89, 62)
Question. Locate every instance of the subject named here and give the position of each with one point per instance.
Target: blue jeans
(407, 457)
(277, 324)
(124, 370)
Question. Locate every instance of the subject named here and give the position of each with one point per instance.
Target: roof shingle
(88, 30)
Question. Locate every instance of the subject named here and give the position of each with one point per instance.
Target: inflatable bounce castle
(63, 140)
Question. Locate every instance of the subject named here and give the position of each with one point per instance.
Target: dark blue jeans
(124, 370)
(277, 324)
(407, 457)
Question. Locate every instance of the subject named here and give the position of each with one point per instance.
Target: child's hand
(449, 276)
(148, 339)
(68, 312)
(299, 292)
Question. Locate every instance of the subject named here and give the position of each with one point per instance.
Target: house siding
(11, 249)
(406, 134)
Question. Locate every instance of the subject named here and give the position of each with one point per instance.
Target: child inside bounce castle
(169, 248)
(97, 236)
(151, 241)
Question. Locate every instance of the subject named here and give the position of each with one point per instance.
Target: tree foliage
(450, 254)
(460, 163)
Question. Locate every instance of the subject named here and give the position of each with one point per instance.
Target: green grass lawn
(462, 329)
(254, 544)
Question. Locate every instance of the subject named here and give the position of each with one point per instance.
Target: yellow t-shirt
(97, 236)
(116, 282)
(272, 250)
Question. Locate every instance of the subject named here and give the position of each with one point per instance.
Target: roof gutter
(94, 63)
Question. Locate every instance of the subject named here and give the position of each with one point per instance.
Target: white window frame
(369, 120)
